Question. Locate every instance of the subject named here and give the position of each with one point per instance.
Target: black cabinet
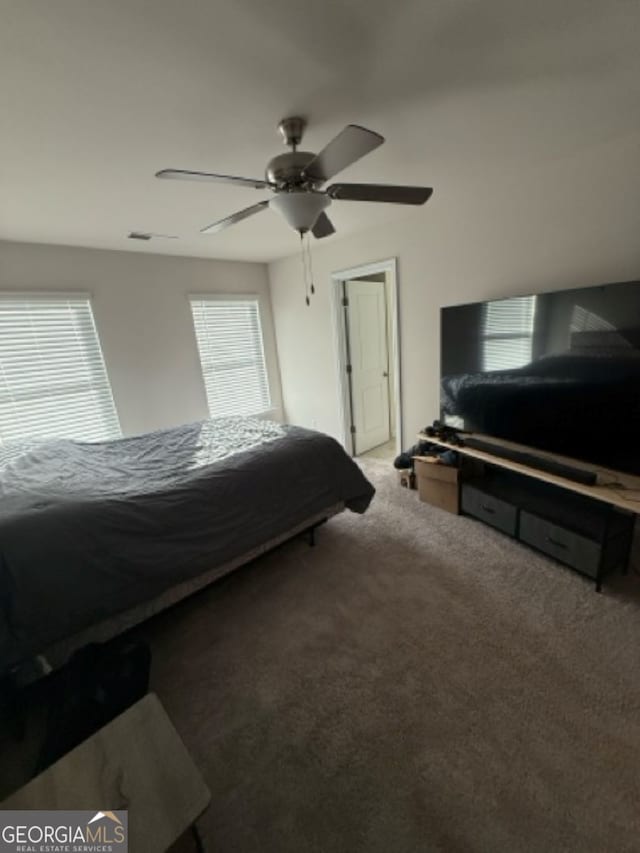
(576, 551)
(590, 536)
(489, 508)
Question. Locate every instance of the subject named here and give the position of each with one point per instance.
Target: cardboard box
(438, 485)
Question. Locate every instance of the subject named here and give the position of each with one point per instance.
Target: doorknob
(385, 374)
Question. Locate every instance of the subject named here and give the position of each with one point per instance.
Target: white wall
(563, 223)
(144, 321)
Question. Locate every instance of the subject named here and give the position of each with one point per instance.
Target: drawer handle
(556, 543)
(488, 509)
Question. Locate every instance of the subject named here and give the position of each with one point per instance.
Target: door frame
(390, 268)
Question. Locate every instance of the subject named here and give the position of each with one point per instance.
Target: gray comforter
(89, 530)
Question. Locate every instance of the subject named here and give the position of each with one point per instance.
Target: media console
(588, 527)
(534, 460)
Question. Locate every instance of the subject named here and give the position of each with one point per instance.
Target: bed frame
(56, 655)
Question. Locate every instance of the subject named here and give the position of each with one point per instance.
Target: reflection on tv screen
(556, 371)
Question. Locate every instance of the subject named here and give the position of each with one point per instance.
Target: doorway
(366, 325)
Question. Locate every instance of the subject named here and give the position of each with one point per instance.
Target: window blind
(583, 320)
(229, 337)
(53, 380)
(507, 338)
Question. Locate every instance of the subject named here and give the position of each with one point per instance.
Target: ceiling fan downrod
(291, 130)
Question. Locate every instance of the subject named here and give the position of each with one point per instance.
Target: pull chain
(310, 264)
(304, 269)
(309, 283)
(307, 267)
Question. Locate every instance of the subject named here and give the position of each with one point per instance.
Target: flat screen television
(554, 371)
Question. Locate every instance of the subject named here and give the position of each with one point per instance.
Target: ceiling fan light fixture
(301, 209)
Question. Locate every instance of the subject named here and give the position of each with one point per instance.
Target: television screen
(555, 371)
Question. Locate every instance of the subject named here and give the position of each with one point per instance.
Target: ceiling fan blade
(235, 217)
(323, 227)
(380, 192)
(349, 145)
(186, 175)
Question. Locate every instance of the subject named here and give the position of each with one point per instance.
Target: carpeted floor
(386, 452)
(416, 682)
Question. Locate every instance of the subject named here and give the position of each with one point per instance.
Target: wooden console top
(612, 487)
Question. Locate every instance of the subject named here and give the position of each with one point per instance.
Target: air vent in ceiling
(147, 235)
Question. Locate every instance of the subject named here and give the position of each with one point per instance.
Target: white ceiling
(97, 95)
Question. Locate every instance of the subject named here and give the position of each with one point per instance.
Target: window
(229, 339)
(507, 339)
(53, 381)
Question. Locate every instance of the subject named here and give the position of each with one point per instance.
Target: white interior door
(369, 358)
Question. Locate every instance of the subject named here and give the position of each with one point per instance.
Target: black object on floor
(98, 683)
(405, 459)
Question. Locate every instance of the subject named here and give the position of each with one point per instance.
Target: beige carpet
(416, 682)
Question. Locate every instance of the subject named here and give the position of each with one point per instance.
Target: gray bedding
(89, 530)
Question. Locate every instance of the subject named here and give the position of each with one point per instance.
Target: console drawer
(577, 551)
(491, 510)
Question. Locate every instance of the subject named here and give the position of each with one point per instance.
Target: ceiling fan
(295, 179)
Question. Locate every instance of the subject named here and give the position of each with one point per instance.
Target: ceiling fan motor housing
(287, 170)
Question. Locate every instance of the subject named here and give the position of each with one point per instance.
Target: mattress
(88, 531)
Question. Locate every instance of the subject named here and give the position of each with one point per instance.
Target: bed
(97, 537)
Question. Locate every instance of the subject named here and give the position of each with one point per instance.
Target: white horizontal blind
(231, 350)
(53, 381)
(507, 337)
